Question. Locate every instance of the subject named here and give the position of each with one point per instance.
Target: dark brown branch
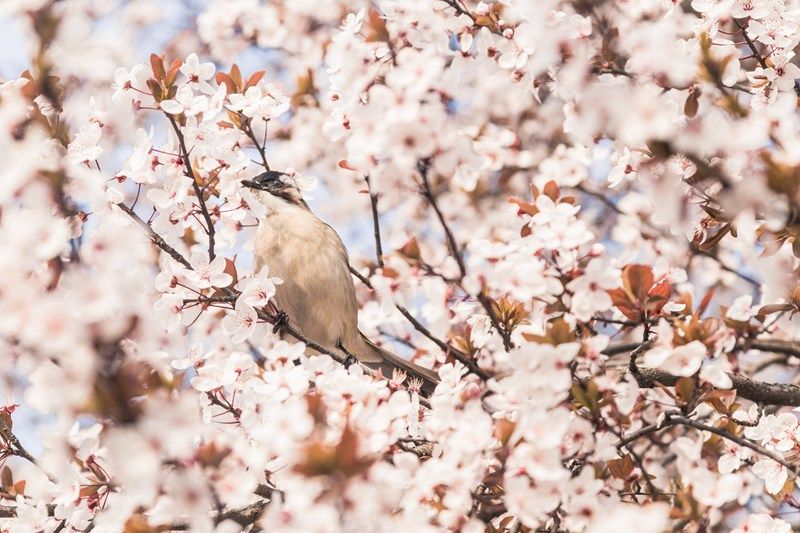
(776, 346)
(373, 199)
(10, 511)
(786, 347)
(243, 516)
(756, 391)
(750, 44)
(210, 231)
(15, 447)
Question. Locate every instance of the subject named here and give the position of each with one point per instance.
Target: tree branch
(460, 10)
(750, 44)
(745, 387)
(750, 389)
(681, 420)
(244, 516)
(673, 420)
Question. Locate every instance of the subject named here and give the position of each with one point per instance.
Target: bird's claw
(349, 360)
(281, 321)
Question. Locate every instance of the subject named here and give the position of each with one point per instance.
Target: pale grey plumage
(317, 292)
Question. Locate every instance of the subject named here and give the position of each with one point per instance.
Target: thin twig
(694, 250)
(460, 9)
(260, 148)
(423, 167)
(15, 447)
(460, 356)
(373, 199)
(751, 45)
(210, 231)
(155, 237)
(681, 420)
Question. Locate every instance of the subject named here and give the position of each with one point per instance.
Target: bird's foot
(349, 360)
(281, 321)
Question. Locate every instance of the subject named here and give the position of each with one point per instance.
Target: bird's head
(277, 185)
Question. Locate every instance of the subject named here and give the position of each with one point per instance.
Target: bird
(317, 295)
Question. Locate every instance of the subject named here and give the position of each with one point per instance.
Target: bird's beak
(251, 184)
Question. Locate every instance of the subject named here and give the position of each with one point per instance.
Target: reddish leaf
(524, 206)
(254, 79)
(691, 105)
(157, 64)
(155, 89)
(6, 477)
(223, 78)
(637, 280)
(551, 190)
(236, 75)
(6, 416)
(230, 268)
(622, 301)
(173, 71)
(685, 389)
(721, 400)
(410, 249)
(621, 468)
(774, 308)
(19, 487)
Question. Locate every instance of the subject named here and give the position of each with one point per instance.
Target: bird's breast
(317, 290)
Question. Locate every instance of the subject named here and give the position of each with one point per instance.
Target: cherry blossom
(257, 104)
(185, 102)
(205, 274)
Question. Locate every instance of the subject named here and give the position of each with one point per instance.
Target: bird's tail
(376, 357)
